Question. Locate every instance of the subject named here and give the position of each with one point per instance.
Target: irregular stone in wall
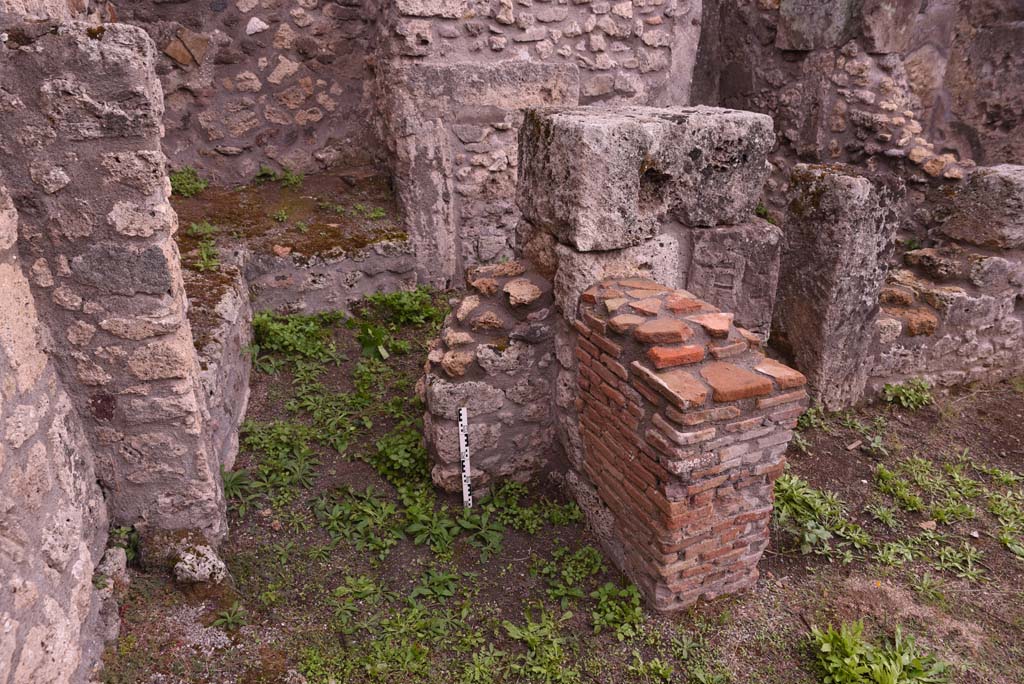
(838, 239)
(990, 209)
(737, 269)
(448, 9)
(814, 24)
(602, 179)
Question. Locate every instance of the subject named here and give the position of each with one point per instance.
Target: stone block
(838, 241)
(990, 209)
(601, 179)
(657, 259)
(736, 268)
(886, 24)
(815, 24)
(448, 9)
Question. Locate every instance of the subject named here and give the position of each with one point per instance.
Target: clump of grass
(209, 257)
(187, 182)
(201, 229)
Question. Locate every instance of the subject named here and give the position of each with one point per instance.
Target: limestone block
(601, 179)
(886, 24)
(838, 241)
(813, 24)
(657, 259)
(990, 209)
(736, 268)
(444, 398)
(449, 9)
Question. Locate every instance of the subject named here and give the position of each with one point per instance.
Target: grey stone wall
(250, 82)
(953, 312)
(926, 90)
(52, 514)
(454, 78)
(80, 152)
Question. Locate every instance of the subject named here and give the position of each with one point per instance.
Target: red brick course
(682, 448)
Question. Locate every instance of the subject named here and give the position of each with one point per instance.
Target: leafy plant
(238, 488)
(209, 257)
(281, 215)
(291, 179)
(565, 573)
(485, 667)
(845, 657)
(231, 619)
(815, 517)
(127, 538)
(963, 561)
(653, 670)
(544, 659)
(432, 527)
(618, 609)
(368, 522)
(201, 229)
(409, 307)
(913, 394)
(265, 174)
(187, 182)
(929, 588)
(401, 457)
(297, 336)
(435, 584)
(482, 532)
(883, 514)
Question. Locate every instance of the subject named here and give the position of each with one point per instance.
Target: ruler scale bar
(467, 486)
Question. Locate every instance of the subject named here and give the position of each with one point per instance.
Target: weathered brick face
(684, 425)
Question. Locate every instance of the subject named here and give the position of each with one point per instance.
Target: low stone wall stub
(495, 357)
(684, 425)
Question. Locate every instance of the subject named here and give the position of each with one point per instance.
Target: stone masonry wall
(953, 312)
(666, 193)
(925, 89)
(52, 515)
(684, 425)
(80, 152)
(455, 76)
(250, 82)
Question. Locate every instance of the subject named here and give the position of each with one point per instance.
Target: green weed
(846, 657)
(912, 394)
(187, 182)
(618, 609)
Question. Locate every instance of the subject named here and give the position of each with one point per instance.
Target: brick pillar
(684, 425)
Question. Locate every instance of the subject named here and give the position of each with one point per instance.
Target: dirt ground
(330, 581)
